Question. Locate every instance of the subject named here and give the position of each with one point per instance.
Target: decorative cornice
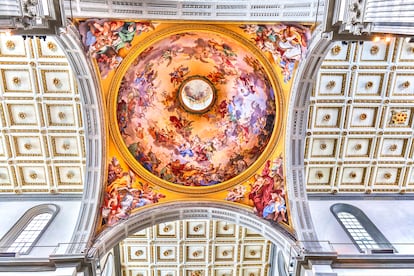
(40, 197)
(358, 196)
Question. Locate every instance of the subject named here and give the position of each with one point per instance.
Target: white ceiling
(359, 139)
(195, 248)
(360, 127)
(42, 142)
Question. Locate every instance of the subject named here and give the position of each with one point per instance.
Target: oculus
(196, 94)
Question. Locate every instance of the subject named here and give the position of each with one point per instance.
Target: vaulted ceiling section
(42, 143)
(360, 127)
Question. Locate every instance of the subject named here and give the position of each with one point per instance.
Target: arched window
(365, 235)
(28, 229)
(108, 267)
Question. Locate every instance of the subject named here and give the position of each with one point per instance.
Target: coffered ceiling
(196, 248)
(359, 136)
(42, 142)
(360, 126)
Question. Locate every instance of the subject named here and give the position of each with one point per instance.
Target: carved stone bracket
(30, 12)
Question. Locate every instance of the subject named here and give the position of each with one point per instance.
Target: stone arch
(295, 136)
(95, 136)
(191, 209)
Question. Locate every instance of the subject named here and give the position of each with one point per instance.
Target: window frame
(281, 264)
(380, 240)
(109, 265)
(14, 232)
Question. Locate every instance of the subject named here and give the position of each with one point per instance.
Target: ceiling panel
(195, 247)
(42, 147)
(360, 127)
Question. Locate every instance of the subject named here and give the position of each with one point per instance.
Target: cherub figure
(236, 194)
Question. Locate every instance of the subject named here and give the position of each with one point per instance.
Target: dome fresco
(195, 108)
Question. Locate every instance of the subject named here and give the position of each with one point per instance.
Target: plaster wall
(393, 218)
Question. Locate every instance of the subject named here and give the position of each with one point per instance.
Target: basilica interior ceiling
(195, 110)
(220, 94)
(176, 119)
(200, 111)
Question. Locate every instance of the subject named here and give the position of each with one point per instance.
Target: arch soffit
(190, 209)
(95, 136)
(295, 135)
(95, 127)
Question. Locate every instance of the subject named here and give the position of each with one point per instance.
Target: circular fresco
(196, 94)
(195, 108)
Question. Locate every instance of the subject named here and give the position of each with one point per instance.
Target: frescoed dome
(195, 108)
